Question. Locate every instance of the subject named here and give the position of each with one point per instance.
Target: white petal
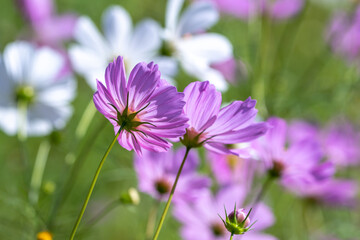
(199, 68)
(145, 41)
(199, 17)
(9, 120)
(211, 47)
(60, 93)
(173, 9)
(117, 27)
(167, 66)
(6, 86)
(88, 63)
(46, 66)
(42, 119)
(18, 60)
(87, 34)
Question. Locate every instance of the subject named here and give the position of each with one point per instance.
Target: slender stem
(38, 171)
(151, 219)
(170, 196)
(85, 120)
(93, 185)
(63, 194)
(262, 192)
(22, 137)
(22, 132)
(108, 208)
(259, 75)
(231, 237)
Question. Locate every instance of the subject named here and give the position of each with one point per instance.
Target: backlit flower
(147, 108)
(214, 127)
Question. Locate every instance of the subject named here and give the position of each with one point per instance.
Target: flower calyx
(128, 120)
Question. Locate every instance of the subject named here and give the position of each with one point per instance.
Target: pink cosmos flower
(344, 35)
(229, 169)
(201, 217)
(245, 9)
(298, 162)
(335, 192)
(341, 144)
(147, 108)
(157, 171)
(214, 127)
(339, 140)
(50, 29)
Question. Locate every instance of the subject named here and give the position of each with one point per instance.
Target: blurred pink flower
(341, 144)
(157, 172)
(295, 162)
(50, 29)
(230, 169)
(245, 9)
(339, 141)
(148, 109)
(201, 217)
(343, 35)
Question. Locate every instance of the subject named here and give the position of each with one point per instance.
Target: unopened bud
(237, 222)
(131, 196)
(239, 217)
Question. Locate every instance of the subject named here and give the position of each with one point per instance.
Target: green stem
(259, 81)
(108, 208)
(38, 171)
(231, 237)
(170, 196)
(264, 188)
(93, 185)
(85, 120)
(151, 220)
(22, 132)
(63, 194)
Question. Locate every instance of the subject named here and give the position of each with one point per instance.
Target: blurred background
(289, 65)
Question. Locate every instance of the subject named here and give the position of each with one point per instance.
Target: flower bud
(237, 222)
(240, 217)
(131, 196)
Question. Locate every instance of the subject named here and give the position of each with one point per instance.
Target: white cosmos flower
(94, 51)
(186, 40)
(33, 77)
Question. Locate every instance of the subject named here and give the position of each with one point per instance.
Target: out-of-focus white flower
(94, 51)
(186, 41)
(32, 77)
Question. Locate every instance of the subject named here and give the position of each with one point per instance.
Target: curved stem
(93, 185)
(171, 195)
(38, 171)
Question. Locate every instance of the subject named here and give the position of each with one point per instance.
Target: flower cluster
(169, 88)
